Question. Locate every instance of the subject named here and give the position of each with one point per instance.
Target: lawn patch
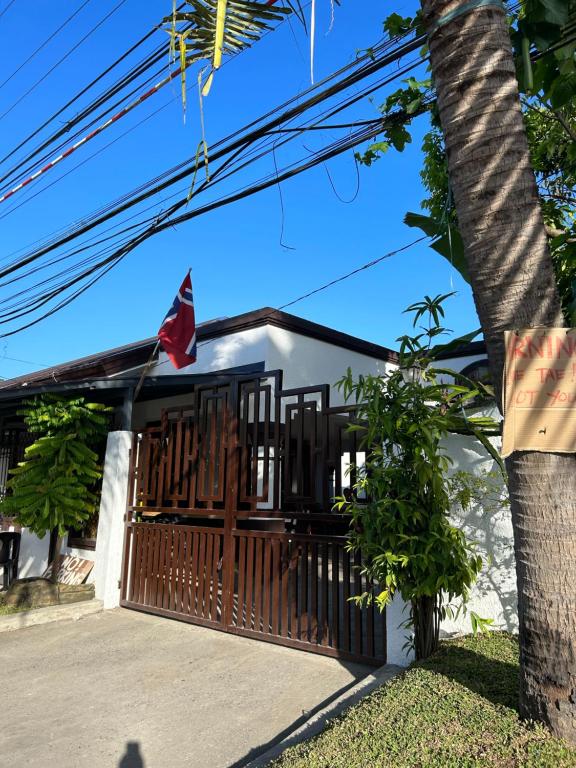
(457, 709)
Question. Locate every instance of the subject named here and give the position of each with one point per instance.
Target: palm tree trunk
(514, 286)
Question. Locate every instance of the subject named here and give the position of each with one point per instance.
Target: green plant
(53, 488)
(403, 494)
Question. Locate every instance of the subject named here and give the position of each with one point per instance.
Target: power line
(10, 4)
(99, 129)
(98, 270)
(364, 67)
(340, 279)
(89, 136)
(45, 43)
(62, 59)
(239, 150)
(71, 101)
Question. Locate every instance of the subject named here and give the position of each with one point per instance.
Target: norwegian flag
(178, 330)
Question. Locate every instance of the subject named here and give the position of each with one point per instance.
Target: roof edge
(206, 331)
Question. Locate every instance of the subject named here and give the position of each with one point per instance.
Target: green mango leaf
(447, 243)
(453, 345)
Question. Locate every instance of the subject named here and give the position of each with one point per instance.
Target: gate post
(110, 537)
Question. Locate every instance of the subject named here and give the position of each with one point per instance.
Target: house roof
(131, 356)
(466, 350)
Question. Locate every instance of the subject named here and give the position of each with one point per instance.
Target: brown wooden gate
(230, 523)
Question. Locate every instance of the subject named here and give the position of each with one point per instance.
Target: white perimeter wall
(494, 595)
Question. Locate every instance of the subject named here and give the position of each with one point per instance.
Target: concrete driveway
(121, 689)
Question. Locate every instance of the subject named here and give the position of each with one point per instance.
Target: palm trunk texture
(514, 286)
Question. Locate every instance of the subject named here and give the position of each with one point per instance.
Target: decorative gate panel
(176, 570)
(231, 520)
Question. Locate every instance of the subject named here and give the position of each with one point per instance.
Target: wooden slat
(215, 578)
(177, 461)
(294, 555)
(161, 568)
(276, 576)
(249, 583)
(167, 569)
(208, 575)
(357, 609)
(187, 568)
(142, 566)
(303, 629)
(174, 575)
(194, 573)
(153, 576)
(201, 569)
(240, 616)
(284, 609)
(369, 634)
(266, 576)
(314, 623)
(168, 467)
(335, 597)
(324, 592)
(133, 555)
(258, 587)
(345, 600)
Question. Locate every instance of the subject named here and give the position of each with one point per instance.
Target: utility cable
(45, 43)
(62, 59)
(10, 4)
(368, 67)
(84, 90)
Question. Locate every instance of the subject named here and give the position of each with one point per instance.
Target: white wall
(488, 524)
(33, 559)
(110, 536)
(307, 361)
(235, 349)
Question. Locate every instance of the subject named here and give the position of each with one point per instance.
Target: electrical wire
(84, 90)
(45, 43)
(10, 4)
(364, 67)
(167, 219)
(72, 145)
(62, 59)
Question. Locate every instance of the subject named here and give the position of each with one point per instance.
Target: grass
(457, 709)
(5, 610)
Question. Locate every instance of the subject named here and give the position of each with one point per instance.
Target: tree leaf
(448, 241)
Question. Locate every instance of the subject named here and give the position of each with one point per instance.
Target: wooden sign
(73, 570)
(540, 391)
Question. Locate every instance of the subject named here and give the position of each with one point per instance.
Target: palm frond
(215, 28)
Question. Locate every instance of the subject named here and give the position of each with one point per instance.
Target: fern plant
(53, 488)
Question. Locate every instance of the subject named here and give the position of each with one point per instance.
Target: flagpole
(145, 371)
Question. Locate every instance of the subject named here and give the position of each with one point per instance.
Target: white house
(216, 497)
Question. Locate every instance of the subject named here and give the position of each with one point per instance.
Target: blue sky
(238, 261)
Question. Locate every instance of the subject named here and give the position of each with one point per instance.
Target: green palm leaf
(215, 28)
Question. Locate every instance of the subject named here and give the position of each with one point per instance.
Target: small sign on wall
(540, 391)
(73, 570)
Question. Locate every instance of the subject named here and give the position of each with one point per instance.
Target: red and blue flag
(177, 333)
